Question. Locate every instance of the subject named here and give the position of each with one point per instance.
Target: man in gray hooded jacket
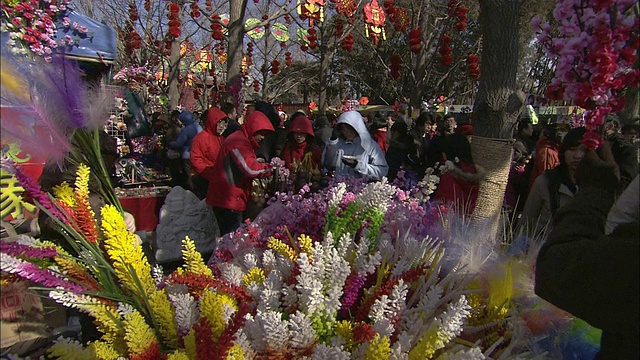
(354, 152)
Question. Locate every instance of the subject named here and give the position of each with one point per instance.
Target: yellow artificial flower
(164, 314)
(82, 179)
(282, 248)
(235, 353)
(306, 245)
(500, 291)
(193, 260)
(212, 307)
(138, 334)
(107, 321)
(254, 275)
(190, 343)
(427, 346)
(128, 258)
(344, 328)
(178, 355)
(64, 194)
(379, 348)
(103, 351)
(65, 349)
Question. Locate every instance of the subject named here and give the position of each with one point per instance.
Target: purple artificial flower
(26, 251)
(352, 287)
(34, 273)
(32, 188)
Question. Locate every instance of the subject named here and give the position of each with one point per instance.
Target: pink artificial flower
(591, 140)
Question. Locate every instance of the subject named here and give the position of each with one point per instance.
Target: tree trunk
(174, 73)
(235, 52)
(496, 108)
(325, 59)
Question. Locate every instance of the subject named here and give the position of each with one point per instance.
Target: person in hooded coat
(354, 152)
(205, 148)
(235, 168)
(299, 142)
(183, 144)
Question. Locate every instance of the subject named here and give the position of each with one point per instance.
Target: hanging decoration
(415, 41)
(374, 18)
(313, 10)
(217, 31)
(394, 66)
(347, 43)
(249, 54)
(287, 58)
(445, 50)
(397, 16)
(224, 19)
(313, 40)
(280, 32)
(174, 22)
(195, 10)
(472, 66)
(257, 32)
(303, 38)
(275, 67)
(347, 8)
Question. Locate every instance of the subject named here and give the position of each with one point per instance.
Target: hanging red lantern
(472, 66)
(347, 42)
(287, 58)
(313, 42)
(147, 5)
(374, 18)
(133, 13)
(275, 67)
(216, 27)
(256, 86)
(394, 66)
(415, 41)
(195, 10)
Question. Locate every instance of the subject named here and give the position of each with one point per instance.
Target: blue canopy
(98, 43)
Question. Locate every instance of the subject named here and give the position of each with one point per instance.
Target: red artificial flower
(363, 333)
(591, 140)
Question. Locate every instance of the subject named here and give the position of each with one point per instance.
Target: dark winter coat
(592, 275)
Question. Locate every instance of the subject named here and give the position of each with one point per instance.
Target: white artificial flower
(186, 311)
(301, 332)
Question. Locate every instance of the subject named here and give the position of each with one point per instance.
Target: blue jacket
(190, 130)
(371, 161)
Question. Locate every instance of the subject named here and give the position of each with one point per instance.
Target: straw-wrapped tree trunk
(496, 108)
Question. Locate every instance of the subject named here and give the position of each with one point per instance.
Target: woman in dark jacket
(402, 152)
(589, 274)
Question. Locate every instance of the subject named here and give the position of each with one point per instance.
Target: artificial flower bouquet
(350, 272)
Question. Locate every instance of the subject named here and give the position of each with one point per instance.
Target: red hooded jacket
(207, 144)
(294, 152)
(237, 166)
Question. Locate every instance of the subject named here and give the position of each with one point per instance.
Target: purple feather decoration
(60, 103)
